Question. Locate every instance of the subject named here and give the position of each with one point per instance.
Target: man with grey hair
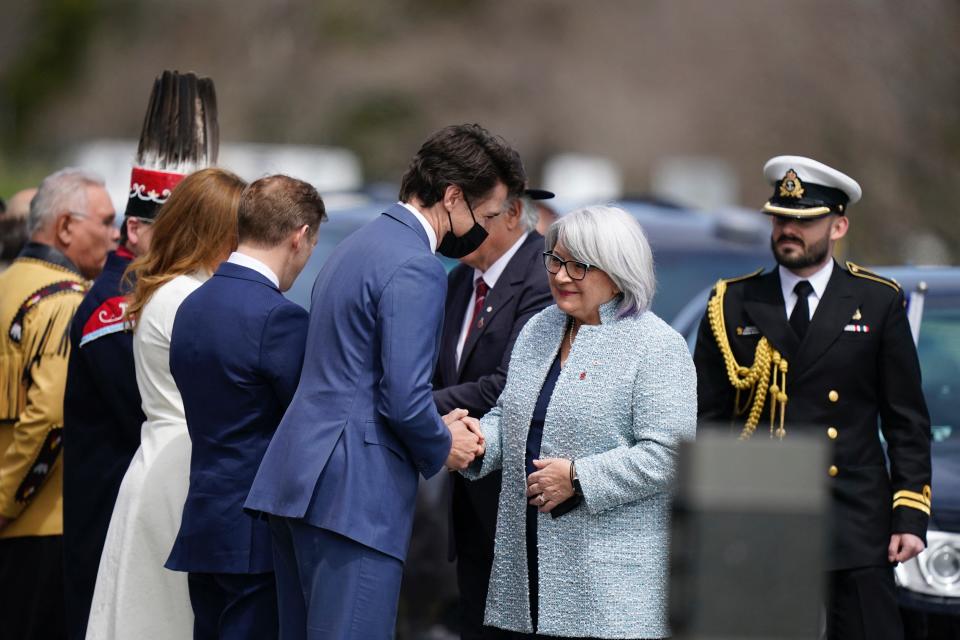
(72, 213)
(490, 296)
(71, 230)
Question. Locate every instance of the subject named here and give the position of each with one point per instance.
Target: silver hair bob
(612, 240)
(60, 192)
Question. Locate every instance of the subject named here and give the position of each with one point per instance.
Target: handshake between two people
(467, 439)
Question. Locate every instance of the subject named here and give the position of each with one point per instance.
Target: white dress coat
(135, 596)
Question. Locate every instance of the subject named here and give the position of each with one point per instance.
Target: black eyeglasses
(575, 269)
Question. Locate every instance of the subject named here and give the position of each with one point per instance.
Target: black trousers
(862, 605)
(31, 595)
(474, 549)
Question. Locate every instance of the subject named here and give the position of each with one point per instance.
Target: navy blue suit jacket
(363, 422)
(235, 353)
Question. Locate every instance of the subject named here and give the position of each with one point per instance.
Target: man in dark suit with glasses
(490, 296)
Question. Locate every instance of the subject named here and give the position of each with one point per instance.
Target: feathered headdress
(180, 135)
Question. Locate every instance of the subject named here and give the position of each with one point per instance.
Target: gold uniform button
(833, 395)
(833, 471)
(832, 433)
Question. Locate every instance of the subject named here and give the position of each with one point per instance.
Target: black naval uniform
(102, 414)
(857, 363)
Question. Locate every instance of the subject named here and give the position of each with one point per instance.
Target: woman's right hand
(551, 485)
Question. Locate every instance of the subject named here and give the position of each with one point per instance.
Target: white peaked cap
(812, 172)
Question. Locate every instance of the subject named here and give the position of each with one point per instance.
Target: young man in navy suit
(236, 352)
(339, 479)
(490, 297)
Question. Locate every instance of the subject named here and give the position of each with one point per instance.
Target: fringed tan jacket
(39, 294)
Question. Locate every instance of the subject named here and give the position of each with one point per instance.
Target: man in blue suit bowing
(339, 479)
(236, 352)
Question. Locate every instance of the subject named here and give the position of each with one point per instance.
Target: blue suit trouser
(330, 587)
(230, 606)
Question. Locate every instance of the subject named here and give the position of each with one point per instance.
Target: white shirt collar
(493, 273)
(250, 262)
(819, 280)
(431, 234)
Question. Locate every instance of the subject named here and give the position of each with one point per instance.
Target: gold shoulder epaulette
(860, 272)
(752, 274)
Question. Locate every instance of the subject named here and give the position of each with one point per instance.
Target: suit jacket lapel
(513, 276)
(763, 302)
(459, 296)
(495, 300)
(833, 312)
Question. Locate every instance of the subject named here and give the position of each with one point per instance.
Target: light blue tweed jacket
(625, 399)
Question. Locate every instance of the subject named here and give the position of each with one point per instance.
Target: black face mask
(456, 247)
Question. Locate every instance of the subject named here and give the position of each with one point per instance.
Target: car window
(331, 233)
(939, 351)
(339, 225)
(685, 273)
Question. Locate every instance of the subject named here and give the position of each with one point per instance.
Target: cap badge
(790, 186)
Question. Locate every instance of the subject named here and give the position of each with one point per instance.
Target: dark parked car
(929, 585)
(689, 246)
(345, 214)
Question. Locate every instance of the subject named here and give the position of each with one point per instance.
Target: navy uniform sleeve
(905, 423)
(110, 361)
(101, 379)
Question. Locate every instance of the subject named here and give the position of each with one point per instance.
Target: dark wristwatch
(574, 480)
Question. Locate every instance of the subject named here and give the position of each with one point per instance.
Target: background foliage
(869, 86)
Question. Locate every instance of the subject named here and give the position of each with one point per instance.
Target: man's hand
(454, 415)
(551, 485)
(904, 546)
(467, 439)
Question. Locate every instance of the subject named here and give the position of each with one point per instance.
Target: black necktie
(800, 318)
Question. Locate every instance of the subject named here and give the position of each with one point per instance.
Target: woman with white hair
(600, 392)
